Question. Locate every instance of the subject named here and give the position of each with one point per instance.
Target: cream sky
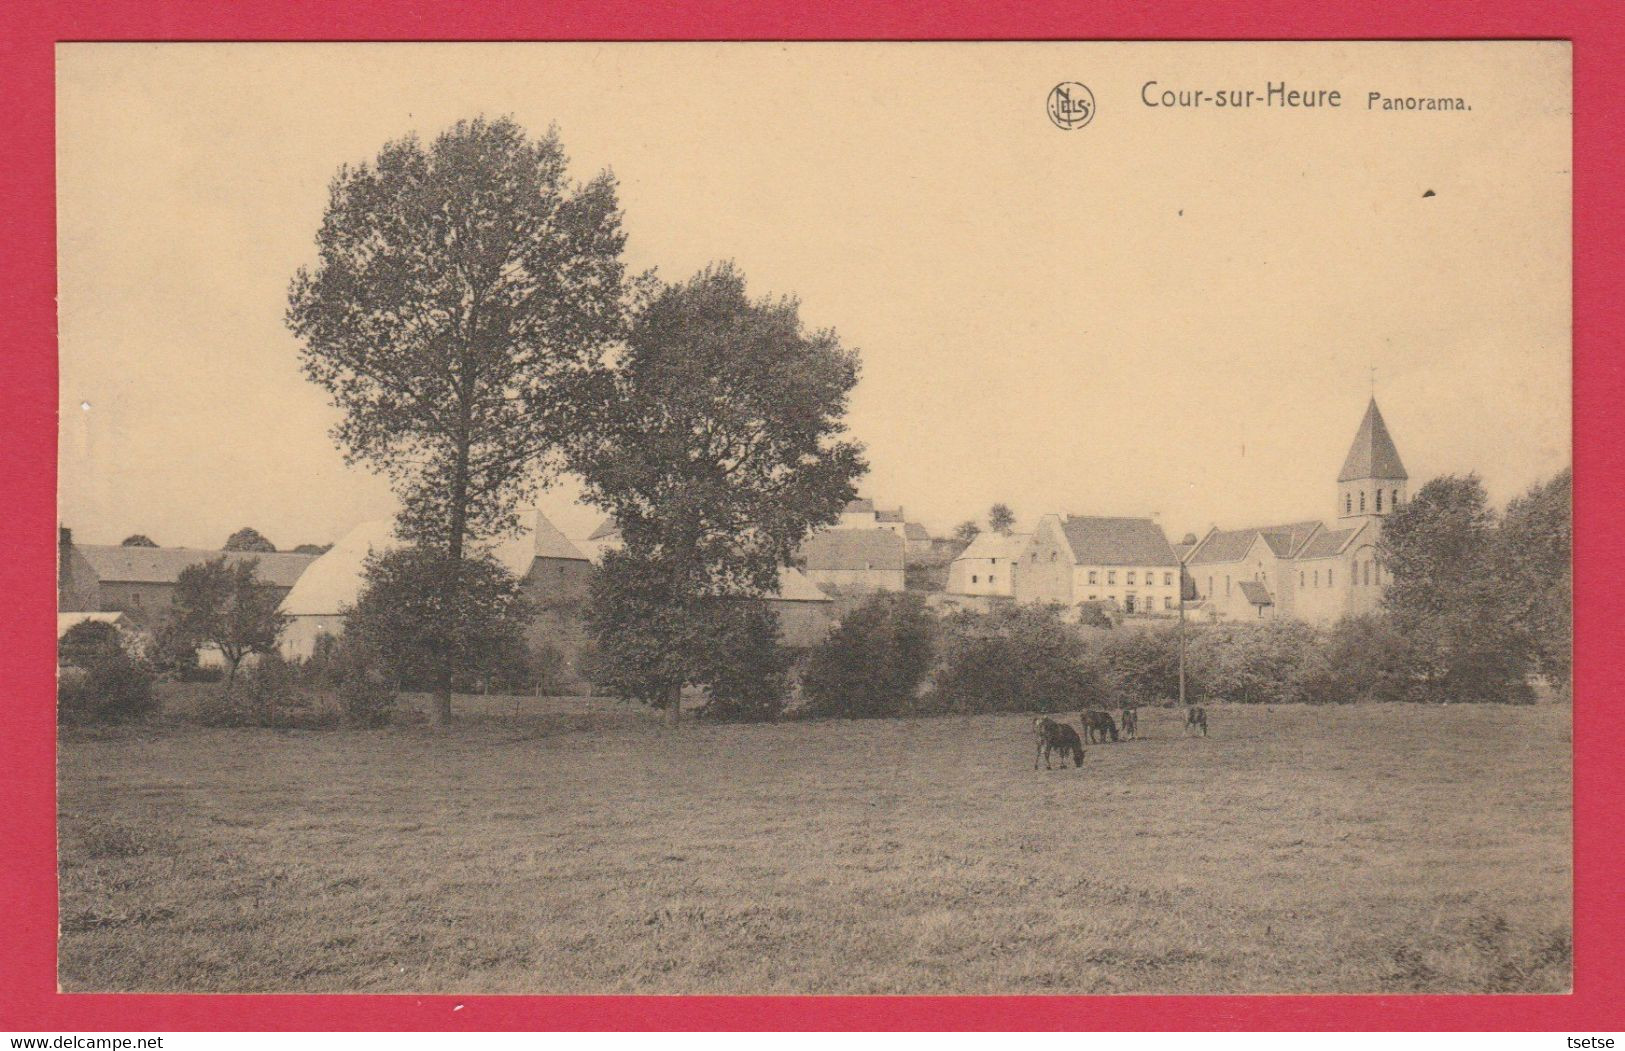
(1170, 310)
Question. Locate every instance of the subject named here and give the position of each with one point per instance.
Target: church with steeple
(1312, 570)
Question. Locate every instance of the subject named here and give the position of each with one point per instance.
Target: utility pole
(1182, 634)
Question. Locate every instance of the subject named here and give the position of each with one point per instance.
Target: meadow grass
(561, 846)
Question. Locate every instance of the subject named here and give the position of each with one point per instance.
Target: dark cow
(1131, 723)
(1097, 726)
(1196, 718)
(1056, 737)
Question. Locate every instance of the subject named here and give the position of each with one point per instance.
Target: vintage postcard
(815, 518)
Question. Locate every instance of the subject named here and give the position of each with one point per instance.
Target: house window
(1092, 575)
(1227, 585)
(1209, 587)
(1393, 499)
(1168, 580)
(1167, 602)
(991, 579)
(1052, 555)
(1317, 578)
(1328, 576)
(1300, 578)
(1348, 504)
(1131, 576)
(1092, 598)
(1111, 576)
(974, 579)
(1362, 501)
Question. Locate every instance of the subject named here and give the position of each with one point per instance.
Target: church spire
(1373, 454)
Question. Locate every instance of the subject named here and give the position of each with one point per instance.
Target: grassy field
(575, 846)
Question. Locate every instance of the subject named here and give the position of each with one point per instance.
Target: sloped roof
(1256, 593)
(915, 531)
(996, 545)
(859, 507)
(853, 549)
(163, 565)
(1373, 454)
(1181, 550)
(1232, 545)
(334, 580)
(1328, 542)
(606, 528)
(895, 515)
(1117, 541)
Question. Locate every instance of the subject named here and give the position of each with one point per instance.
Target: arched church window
(1362, 501)
(1393, 502)
(1379, 501)
(1348, 504)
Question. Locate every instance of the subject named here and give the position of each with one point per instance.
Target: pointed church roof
(1373, 454)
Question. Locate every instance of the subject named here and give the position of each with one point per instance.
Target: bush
(1361, 659)
(748, 673)
(87, 642)
(1141, 666)
(111, 686)
(874, 662)
(1018, 659)
(173, 652)
(1268, 663)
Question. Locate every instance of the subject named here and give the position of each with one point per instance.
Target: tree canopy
(138, 540)
(716, 441)
(226, 603)
(249, 539)
(967, 531)
(1001, 519)
(464, 290)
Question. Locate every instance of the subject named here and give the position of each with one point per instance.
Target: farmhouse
(1079, 559)
(140, 581)
(1309, 570)
(855, 561)
(988, 565)
(554, 576)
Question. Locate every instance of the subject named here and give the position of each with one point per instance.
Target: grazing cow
(1196, 718)
(1097, 726)
(1131, 723)
(1056, 737)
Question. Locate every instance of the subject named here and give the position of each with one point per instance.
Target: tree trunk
(454, 557)
(674, 707)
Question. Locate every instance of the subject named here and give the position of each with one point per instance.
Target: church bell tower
(1373, 480)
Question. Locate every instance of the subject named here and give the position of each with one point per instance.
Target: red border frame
(28, 1000)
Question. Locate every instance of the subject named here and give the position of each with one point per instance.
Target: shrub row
(892, 657)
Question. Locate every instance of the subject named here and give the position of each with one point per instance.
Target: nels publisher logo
(1071, 105)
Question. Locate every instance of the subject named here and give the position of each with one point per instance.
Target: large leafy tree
(463, 289)
(226, 603)
(1447, 596)
(717, 443)
(249, 539)
(416, 609)
(1536, 567)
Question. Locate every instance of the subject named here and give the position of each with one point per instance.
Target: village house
(140, 581)
(554, 576)
(988, 565)
(1309, 570)
(854, 561)
(1088, 559)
